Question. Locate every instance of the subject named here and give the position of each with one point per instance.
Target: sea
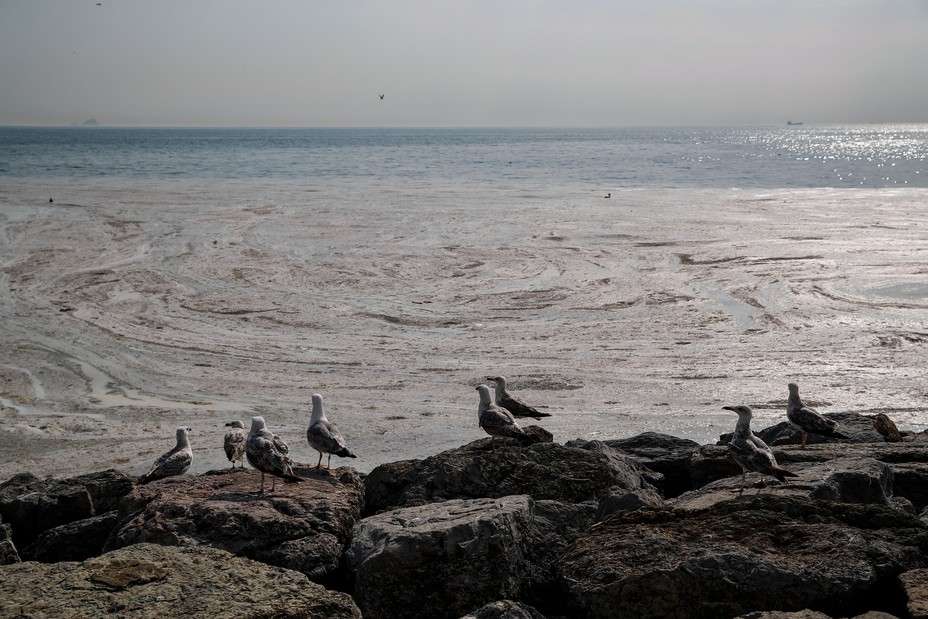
(606, 158)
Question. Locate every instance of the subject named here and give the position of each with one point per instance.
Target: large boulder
(505, 609)
(148, 581)
(302, 526)
(442, 560)
(915, 585)
(545, 471)
(32, 505)
(664, 454)
(760, 552)
(74, 541)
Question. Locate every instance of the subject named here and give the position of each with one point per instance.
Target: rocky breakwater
(648, 526)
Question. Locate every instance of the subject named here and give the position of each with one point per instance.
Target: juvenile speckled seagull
(808, 420)
(174, 462)
(234, 442)
(323, 435)
(751, 452)
(514, 405)
(268, 453)
(494, 419)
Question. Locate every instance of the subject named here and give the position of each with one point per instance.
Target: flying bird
(751, 452)
(808, 420)
(496, 420)
(323, 435)
(174, 462)
(268, 453)
(381, 97)
(234, 442)
(514, 405)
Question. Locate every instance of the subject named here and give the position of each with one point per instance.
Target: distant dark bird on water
(174, 462)
(608, 195)
(514, 405)
(808, 420)
(751, 452)
(381, 97)
(268, 453)
(496, 420)
(323, 435)
(50, 200)
(234, 442)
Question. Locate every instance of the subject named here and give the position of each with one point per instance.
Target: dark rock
(764, 552)
(541, 470)
(74, 541)
(147, 581)
(32, 505)
(777, 614)
(303, 526)
(441, 560)
(668, 455)
(505, 609)
(8, 552)
(858, 428)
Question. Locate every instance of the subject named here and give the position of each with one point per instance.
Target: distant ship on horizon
(789, 122)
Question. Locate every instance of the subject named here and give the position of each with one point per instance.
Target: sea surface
(804, 156)
(187, 277)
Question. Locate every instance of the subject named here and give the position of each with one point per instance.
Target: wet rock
(765, 552)
(151, 581)
(74, 541)
(441, 560)
(303, 526)
(858, 428)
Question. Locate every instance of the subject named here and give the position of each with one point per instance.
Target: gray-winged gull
(234, 442)
(174, 462)
(323, 435)
(808, 420)
(496, 420)
(751, 452)
(268, 453)
(514, 405)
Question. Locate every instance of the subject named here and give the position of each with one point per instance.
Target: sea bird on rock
(808, 420)
(751, 452)
(323, 435)
(174, 462)
(496, 420)
(514, 405)
(268, 453)
(234, 442)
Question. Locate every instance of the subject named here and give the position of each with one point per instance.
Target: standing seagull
(750, 452)
(234, 442)
(496, 420)
(808, 420)
(174, 462)
(514, 405)
(268, 453)
(323, 435)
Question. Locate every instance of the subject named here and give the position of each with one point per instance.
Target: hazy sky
(474, 62)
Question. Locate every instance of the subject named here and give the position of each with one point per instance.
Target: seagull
(268, 453)
(234, 442)
(808, 420)
(514, 405)
(323, 435)
(381, 97)
(174, 462)
(496, 420)
(751, 452)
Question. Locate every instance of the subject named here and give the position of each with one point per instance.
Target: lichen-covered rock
(303, 526)
(763, 552)
(147, 581)
(442, 559)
